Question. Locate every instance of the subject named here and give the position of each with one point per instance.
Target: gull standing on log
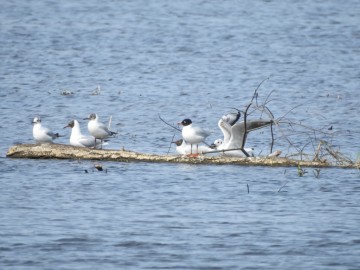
(192, 134)
(42, 134)
(98, 129)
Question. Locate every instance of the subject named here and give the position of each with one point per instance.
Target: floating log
(61, 151)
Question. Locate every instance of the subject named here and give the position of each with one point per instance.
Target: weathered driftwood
(60, 151)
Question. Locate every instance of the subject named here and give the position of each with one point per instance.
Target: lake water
(179, 59)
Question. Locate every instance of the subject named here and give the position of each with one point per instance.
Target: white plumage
(77, 138)
(98, 129)
(42, 134)
(183, 148)
(192, 134)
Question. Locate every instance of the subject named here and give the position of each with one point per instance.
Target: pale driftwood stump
(60, 151)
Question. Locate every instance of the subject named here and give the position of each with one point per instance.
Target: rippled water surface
(179, 59)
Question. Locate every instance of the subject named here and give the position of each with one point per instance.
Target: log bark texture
(60, 151)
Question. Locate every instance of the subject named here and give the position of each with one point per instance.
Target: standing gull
(192, 134)
(42, 134)
(98, 129)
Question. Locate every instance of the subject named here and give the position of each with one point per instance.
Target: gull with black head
(77, 138)
(193, 134)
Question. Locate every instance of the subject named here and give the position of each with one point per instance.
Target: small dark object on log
(98, 167)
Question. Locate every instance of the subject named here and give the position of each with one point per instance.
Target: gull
(234, 135)
(42, 134)
(98, 129)
(192, 134)
(77, 138)
(185, 149)
(231, 119)
(218, 145)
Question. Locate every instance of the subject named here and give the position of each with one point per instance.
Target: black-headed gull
(98, 129)
(42, 134)
(77, 138)
(192, 134)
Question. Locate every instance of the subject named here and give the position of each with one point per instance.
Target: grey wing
(237, 136)
(202, 132)
(238, 131)
(105, 128)
(252, 125)
(256, 124)
(87, 141)
(51, 134)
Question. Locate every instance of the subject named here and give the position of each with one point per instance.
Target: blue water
(179, 59)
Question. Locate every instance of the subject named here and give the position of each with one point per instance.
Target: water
(179, 59)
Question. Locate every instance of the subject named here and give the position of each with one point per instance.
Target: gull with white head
(234, 135)
(98, 129)
(42, 134)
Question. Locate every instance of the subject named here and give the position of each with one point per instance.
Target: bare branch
(245, 132)
(272, 138)
(174, 127)
(172, 139)
(257, 88)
